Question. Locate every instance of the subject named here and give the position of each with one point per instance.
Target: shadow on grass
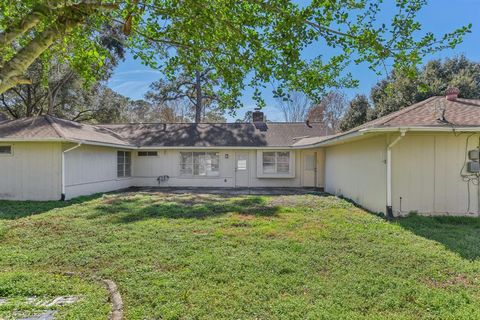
(458, 234)
(125, 210)
(10, 210)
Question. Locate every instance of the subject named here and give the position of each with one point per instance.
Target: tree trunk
(29, 103)
(50, 102)
(198, 104)
(9, 35)
(11, 73)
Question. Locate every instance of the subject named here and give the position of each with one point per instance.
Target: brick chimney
(258, 116)
(451, 94)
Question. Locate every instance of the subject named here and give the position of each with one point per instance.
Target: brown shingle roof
(435, 112)
(28, 128)
(217, 134)
(71, 130)
(163, 135)
(428, 113)
(48, 128)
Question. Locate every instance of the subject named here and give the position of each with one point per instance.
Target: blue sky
(132, 79)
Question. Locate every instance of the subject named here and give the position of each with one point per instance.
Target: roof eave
(102, 144)
(94, 143)
(423, 129)
(362, 132)
(220, 147)
(33, 140)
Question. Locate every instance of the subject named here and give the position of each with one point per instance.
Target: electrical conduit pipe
(389, 173)
(63, 168)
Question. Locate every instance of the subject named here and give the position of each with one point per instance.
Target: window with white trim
(124, 164)
(276, 162)
(199, 164)
(5, 150)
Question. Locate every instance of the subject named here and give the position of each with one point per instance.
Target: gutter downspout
(389, 173)
(63, 169)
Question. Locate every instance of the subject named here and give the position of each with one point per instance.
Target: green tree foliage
(246, 43)
(56, 89)
(64, 95)
(357, 113)
(399, 91)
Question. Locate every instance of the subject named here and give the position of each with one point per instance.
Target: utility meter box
(474, 154)
(473, 167)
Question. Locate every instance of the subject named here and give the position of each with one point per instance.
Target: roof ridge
(115, 134)
(193, 123)
(102, 129)
(408, 109)
(54, 125)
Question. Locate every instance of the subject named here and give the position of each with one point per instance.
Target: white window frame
(291, 165)
(208, 173)
(124, 165)
(7, 154)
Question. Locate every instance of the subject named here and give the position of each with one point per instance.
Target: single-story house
(423, 158)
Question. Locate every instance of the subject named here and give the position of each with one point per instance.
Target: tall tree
(316, 113)
(197, 89)
(294, 106)
(55, 85)
(357, 114)
(399, 91)
(245, 43)
(334, 105)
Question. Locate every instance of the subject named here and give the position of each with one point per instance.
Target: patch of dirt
(244, 217)
(454, 280)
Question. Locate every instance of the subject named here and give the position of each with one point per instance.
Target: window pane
(186, 169)
(5, 149)
(268, 168)
(152, 153)
(199, 170)
(283, 157)
(186, 157)
(198, 158)
(120, 170)
(144, 153)
(269, 157)
(241, 164)
(283, 168)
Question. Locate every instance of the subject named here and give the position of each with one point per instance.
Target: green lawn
(246, 257)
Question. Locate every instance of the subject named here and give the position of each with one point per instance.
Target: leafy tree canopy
(243, 42)
(357, 114)
(399, 91)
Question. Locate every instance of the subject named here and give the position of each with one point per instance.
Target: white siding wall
(426, 174)
(92, 169)
(32, 172)
(147, 169)
(357, 171)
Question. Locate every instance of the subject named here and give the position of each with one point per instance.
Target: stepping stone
(47, 315)
(61, 301)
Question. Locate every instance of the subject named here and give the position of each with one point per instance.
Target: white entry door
(241, 169)
(309, 169)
